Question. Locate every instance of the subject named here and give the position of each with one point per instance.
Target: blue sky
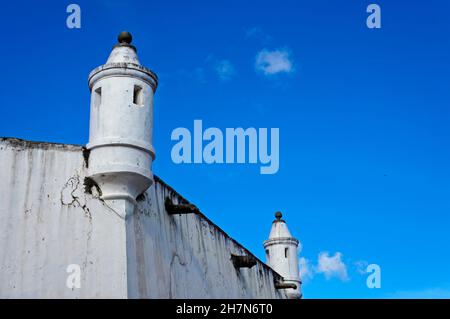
(363, 117)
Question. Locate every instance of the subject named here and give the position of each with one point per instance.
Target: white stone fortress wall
(51, 216)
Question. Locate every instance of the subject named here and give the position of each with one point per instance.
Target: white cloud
(306, 269)
(332, 266)
(329, 266)
(273, 62)
(225, 70)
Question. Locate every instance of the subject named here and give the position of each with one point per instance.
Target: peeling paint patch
(86, 154)
(141, 197)
(72, 195)
(91, 187)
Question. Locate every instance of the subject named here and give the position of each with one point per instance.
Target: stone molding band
(107, 142)
(282, 240)
(123, 69)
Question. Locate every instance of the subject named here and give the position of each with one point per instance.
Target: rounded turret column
(121, 124)
(282, 255)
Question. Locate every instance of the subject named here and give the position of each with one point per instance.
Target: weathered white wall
(187, 256)
(47, 222)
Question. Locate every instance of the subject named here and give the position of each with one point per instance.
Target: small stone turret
(121, 125)
(282, 256)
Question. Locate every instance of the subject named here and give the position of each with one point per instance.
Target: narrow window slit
(98, 97)
(138, 95)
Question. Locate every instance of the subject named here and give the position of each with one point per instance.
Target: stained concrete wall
(48, 221)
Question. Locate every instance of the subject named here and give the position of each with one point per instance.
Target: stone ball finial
(125, 37)
(278, 215)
